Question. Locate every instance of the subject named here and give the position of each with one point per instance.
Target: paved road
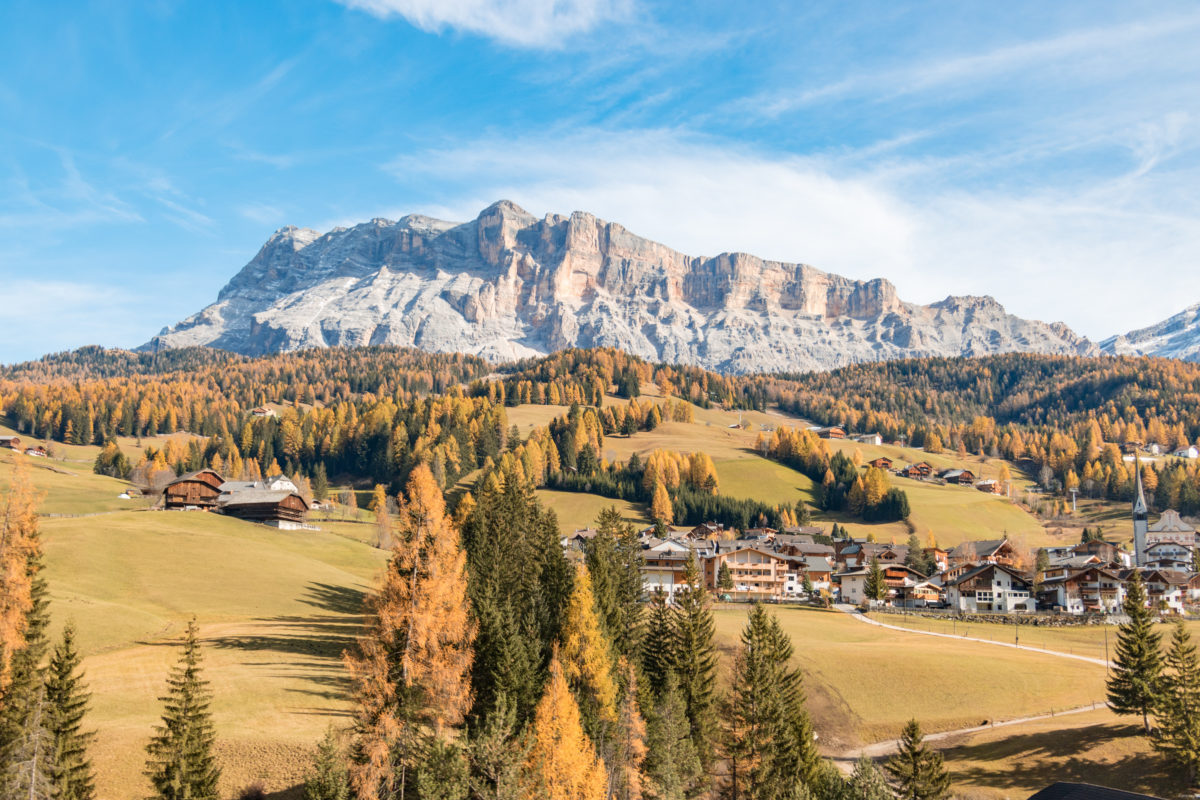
(879, 749)
(848, 609)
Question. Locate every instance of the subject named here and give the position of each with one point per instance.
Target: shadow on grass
(318, 636)
(1091, 754)
(335, 599)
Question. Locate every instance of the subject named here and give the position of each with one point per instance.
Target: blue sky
(1043, 153)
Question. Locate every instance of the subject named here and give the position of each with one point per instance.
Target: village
(804, 564)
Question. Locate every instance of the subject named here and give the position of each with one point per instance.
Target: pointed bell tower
(1141, 517)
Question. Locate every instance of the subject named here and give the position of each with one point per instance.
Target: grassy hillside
(864, 683)
(275, 610)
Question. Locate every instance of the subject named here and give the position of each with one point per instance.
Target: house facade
(991, 588)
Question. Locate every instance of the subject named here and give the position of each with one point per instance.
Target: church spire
(1140, 511)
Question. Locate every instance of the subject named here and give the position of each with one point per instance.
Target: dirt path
(846, 609)
(846, 760)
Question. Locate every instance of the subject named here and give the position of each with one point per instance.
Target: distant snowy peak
(508, 285)
(1174, 337)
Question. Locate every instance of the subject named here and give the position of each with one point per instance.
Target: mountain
(1174, 337)
(509, 285)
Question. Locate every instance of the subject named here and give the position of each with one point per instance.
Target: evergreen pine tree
(1177, 711)
(1134, 681)
(867, 782)
(808, 587)
(695, 659)
(181, 765)
(68, 701)
(658, 655)
(496, 756)
(769, 740)
(672, 768)
(329, 779)
(875, 587)
(614, 559)
(917, 771)
(29, 757)
(724, 578)
(628, 748)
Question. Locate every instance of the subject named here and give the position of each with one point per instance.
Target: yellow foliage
(561, 763)
(586, 657)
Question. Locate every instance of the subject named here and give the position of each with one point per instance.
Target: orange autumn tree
(587, 660)
(561, 762)
(411, 669)
(18, 546)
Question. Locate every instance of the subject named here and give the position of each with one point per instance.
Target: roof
(971, 573)
(253, 497)
(1086, 791)
(983, 547)
(817, 564)
(1170, 522)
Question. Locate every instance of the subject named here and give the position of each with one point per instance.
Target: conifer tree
(628, 749)
(867, 782)
(1137, 667)
(329, 779)
(26, 745)
(724, 578)
(497, 756)
(672, 767)
(769, 739)
(410, 670)
(875, 587)
(519, 611)
(917, 771)
(661, 510)
(67, 700)
(1177, 711)
(658, 653)
(181, 764)
(614, 559)
(695, 659)
(561, 762)
(808, 585)
(587, 661)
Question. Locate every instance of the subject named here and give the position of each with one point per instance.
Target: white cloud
(1107, 257)
(524, 23)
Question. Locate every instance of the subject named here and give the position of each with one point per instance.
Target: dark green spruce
(68, 700)
(180, 763)
(1137, 666)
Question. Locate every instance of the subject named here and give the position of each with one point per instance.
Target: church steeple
(1141, 516)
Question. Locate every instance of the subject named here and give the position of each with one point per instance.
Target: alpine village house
(274, 501)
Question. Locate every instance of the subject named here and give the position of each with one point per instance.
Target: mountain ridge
(508, 285)
(1177, 336)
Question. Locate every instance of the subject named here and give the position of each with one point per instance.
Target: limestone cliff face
(509, 285)
(1178, 336)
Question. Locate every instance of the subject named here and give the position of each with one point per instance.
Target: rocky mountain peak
(508, 284)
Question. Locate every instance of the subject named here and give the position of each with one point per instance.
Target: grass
(864, 683)
(69, 489)
(1084, 640)
(577, 510)
(1094, 747)
(275, 610)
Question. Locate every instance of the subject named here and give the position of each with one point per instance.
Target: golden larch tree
(561, 762)
(586, 657)
(411, 669)
(18, 544)
(660, 506)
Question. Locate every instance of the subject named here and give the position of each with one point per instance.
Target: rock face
(510, 285)
(1174, 337)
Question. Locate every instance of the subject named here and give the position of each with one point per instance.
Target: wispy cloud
(262, 214)
(522, 23)
(1089, 53)
(1033, 250)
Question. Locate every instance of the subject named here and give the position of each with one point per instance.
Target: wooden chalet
(1090, 590)
(833, 432)
(198, 489)
(37, 451)
(758, 574)
(916, 471)
(991, 587)
(281, 508)
(11, 442)
(961, 477)
(990, 486)
(984, 551)
(883, 462)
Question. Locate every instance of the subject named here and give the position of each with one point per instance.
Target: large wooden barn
(281, 508)
(274, 503)
(198, 489)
